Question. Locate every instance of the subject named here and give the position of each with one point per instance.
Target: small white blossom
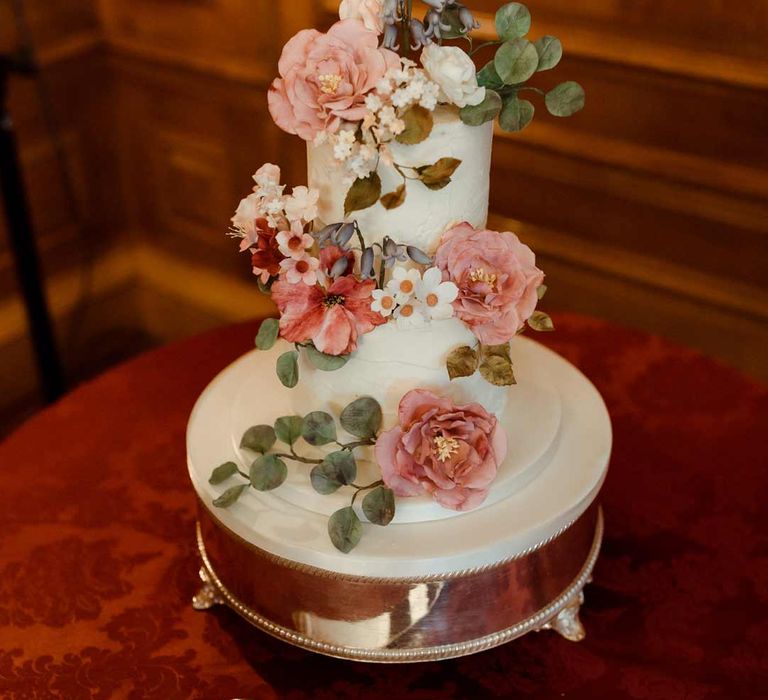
(294, 243)
(436, 296)
(400, 98)
(302, 204)
(403, 284)
(373, 102)
(303, 269)
(384, 86)
(410, 315)
(383, 302)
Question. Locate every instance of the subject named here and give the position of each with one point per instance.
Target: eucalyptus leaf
(379, 505)
(502, 351)
(513, 20)
(541, 291)
(267, 335)
(540, 321)
(364, 193)
(486, 111)
(345, 529)
(319, 428)
(488, 77)
(259, 438)
(288, 368)
(566, 99)
(268, 472)
(288, 429)
(395, 199)
(498, 370)
(550, 51)
(325, 362)
(516, 61)
(230, 496)
(438, 172)
(516, 114)
(222, 473)
(337, 469)
(362, 418)
(438, 184)
(462, 362)
(418, 125)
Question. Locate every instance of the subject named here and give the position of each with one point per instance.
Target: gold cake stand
(401, 620)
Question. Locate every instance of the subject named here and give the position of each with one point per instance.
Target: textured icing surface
(421, 220)
(390, 362)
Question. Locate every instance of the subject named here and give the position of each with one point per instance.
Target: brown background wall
(649, 208)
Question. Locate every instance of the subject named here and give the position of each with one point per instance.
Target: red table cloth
(98, 561)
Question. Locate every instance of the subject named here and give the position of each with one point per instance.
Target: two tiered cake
(395, 473)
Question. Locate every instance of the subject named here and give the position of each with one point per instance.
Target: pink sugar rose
(331, 318)
(452, 452)
(324, 78)
(497, 279)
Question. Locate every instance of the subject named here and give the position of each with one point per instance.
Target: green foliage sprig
(516, 61)
(494, 362)
(336, 470)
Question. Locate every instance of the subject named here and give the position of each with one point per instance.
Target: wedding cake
(396, 473)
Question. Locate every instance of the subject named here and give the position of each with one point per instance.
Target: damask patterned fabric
(98, 564)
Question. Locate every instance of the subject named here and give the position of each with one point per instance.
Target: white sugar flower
(403, 284)
(383, 302)
(436, 296)
(384, 86)
(302, 270)
(429, 95)
(268, 175)
(373, 102)
(453, 70)
(410, 315)
(294, 243)
(247, 212)
(371, 12)
(387, 115)
(397, 126)
(302, 204)
(400, 98)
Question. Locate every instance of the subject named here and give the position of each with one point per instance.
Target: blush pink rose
(324, 78)
(331, 318)
(497, 279)
(452, 452)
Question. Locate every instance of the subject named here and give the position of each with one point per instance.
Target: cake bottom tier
(400, 620)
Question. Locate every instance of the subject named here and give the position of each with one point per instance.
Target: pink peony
(497, 279)
(331, 318)
(324, 78)
(452, 452)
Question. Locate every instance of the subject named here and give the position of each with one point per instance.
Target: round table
(98, 562)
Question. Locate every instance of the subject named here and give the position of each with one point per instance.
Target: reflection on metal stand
(22, 239)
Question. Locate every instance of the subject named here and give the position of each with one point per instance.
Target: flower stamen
(480, 274)
(333, 300)
(329, 82)
(445, 447)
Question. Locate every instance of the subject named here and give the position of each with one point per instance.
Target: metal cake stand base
(398, 636)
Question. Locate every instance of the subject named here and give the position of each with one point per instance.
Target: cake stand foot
(207, 596)
(567, 623)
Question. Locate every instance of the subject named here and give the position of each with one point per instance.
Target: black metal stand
(23, 242)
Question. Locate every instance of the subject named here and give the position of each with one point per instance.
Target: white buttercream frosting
(425, 214)
(391, 361)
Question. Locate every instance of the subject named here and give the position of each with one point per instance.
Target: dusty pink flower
(497, 279)
(324, 78)
(452, 452)
(331, 318)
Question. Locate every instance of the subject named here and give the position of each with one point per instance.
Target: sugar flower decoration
(302, 270)
(454, 71)
(302, 204)
(451, 452)
(324, 78)
(403, 284)
(370, 12)
(294, 242)
(497, 280)
(410, 315)
(383, 302)
(436, 296)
